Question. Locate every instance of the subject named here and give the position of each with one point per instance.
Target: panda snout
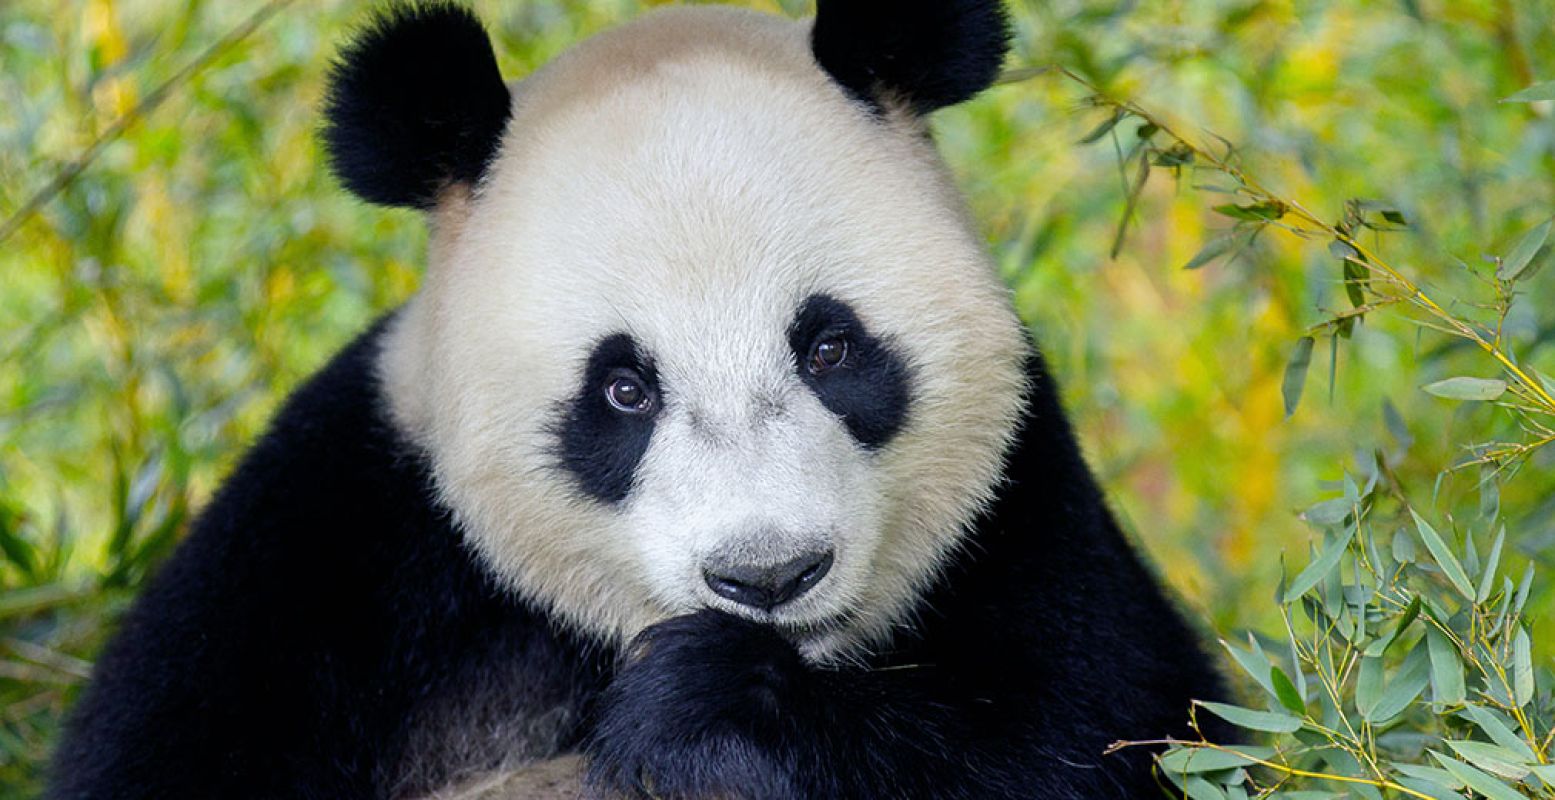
(766, 586)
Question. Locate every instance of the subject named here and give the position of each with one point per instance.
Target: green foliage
(1368, 630)
(201, 263)
(1411, 676)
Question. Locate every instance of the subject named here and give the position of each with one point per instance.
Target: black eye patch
(870, 389)
(596, 443)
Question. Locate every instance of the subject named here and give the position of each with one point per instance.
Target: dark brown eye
(828, 353)
(627, 394)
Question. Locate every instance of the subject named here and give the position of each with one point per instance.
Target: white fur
(689, 179)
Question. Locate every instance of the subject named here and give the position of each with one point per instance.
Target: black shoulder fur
(415, 102)
(322, 605)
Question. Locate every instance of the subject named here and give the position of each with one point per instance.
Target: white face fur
(687, 183)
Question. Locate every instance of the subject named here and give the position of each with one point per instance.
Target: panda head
(705, 323)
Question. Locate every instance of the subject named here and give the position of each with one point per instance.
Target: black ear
(415, 102)
(926, 54)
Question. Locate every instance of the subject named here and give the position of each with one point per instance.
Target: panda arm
(715, 706)
(985, 703)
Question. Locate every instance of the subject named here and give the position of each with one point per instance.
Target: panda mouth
(805, 631)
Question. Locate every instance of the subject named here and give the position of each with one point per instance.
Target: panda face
(709, 333)
(739, 448)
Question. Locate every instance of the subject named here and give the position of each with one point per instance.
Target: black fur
(925, 53)
(870, 389)
(1043, 643)
(599, 445)
(415, 103)
(321, 604)
(324, 603)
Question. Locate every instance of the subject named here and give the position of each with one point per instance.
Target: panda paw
(705, 707)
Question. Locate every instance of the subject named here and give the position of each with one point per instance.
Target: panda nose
(767, 587)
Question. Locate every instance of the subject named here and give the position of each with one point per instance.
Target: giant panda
(711, 449)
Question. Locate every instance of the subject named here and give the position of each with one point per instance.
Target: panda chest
(488, 719)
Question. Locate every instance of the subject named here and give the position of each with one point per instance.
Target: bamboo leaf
(1267, 721)
(1533, 94)
(1487, 580)
(1500, 732)
(1491, 788)
(1019, 74)
(1523, 252)
(1193, 760)
(1491, 758)
(1368, 685)
(1410, 681)
(1296, 374)
(1546, 381)
(1444, 557)
(1522, 589)
(1483, 389)
(1489, 495)
(1320, 567)
(1433, 774)
(1200, 789)
(1355, 280)
(1432, 789)
(1410, 614)
(1286, 691)
(1178, 155)
(1522, 668)
(1446, 668)
(1104, 128)
(1329, 512)
(1403, 548)
(1141, 177)
(1341, 762)
(1215, 248)
(1253, 662)
(1253, 212)
(1504, 612)
(1345, 251)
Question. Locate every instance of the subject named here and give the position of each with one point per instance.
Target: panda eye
(628, 394)
(828, 353)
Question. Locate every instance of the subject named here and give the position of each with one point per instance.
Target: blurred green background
(156, 311)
